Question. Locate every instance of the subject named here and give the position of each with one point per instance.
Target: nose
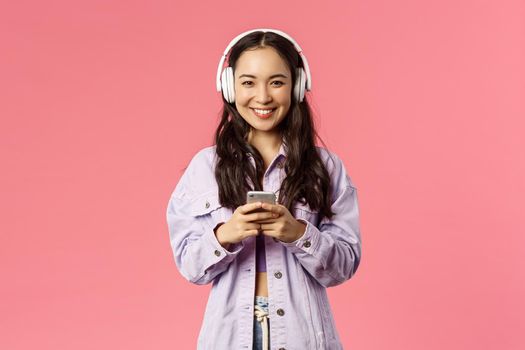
(263, 95)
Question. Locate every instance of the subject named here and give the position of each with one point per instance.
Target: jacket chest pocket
(207, 207)
(303, 211)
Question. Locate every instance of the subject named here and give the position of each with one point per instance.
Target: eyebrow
(271, 77)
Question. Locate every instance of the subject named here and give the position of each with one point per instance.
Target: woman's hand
(242, 224)
(284, 227)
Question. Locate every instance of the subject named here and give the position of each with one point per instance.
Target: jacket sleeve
(331, 253)
(198, 254)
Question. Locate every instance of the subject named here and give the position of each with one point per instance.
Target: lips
(265, 115)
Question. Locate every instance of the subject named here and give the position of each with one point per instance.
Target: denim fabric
(257, 327)
(299, 272)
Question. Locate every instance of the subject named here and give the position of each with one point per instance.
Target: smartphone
(260, 196)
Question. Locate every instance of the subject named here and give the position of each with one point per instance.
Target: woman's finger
(264, 215)
(274, 208)
(246, 208)
(268, 227)
(269, 221)
(252, 226)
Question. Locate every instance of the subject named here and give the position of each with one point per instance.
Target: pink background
(102, 104)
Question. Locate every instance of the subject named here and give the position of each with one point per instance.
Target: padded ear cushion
(300, 84)
(227, 84)
(224, 86)
(231, 87)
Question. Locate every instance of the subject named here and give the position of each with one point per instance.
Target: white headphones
(225, 80)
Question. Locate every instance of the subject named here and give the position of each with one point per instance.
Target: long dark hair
(307, 179)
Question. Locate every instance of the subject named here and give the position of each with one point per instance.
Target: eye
(280, 82)
(244, 83)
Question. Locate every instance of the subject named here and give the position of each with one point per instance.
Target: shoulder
(329, 158)
(199, 175)
(204, 158)
(335, 167)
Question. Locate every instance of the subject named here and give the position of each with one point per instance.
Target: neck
(265, 142)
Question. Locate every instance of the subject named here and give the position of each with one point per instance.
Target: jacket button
(217, 253)
(280, 312)
(278, 274)
(207, 204)
(307, 244)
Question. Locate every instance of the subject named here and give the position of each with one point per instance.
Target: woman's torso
(300, 313)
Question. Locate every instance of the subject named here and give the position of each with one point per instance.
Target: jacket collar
(280, 154)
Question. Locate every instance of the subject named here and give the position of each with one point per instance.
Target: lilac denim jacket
(299, 272)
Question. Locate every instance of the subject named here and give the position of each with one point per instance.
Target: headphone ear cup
(300, 84)
(227, 84)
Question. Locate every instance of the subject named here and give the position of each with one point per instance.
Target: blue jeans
(262, 302)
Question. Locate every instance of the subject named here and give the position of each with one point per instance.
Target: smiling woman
(273, 264)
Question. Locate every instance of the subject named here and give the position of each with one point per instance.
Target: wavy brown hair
(307, 179)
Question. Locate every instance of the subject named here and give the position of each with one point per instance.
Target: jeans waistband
(261, 315)
(260, 300)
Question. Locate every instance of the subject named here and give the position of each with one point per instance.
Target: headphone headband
(240, 36)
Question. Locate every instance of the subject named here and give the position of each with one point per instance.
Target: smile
(263, 113)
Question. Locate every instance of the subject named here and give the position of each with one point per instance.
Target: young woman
(269, 265)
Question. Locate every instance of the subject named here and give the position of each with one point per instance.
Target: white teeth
(263, 111)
